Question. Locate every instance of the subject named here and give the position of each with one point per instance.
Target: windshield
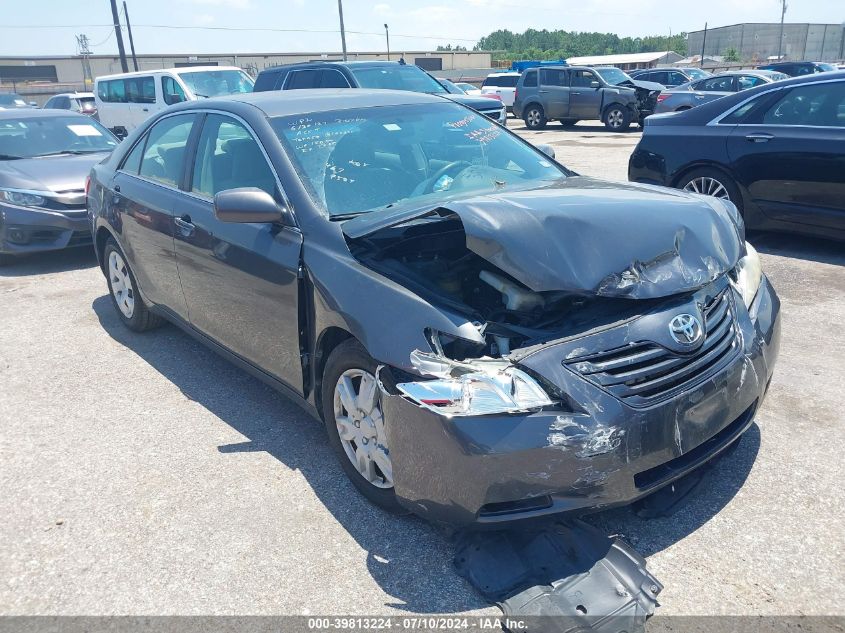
(12, 100)
(397, 77)
(826, 67)
(696, 73)
(613, 76)
(216, 83)
(354, 161)
(47, 136)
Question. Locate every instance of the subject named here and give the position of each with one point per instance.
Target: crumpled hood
(52, 173)
(600, 238)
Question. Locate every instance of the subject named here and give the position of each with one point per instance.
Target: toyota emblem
(686, 329)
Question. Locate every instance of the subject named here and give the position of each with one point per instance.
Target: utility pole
(387, 37)
(780, 39)
(342, 30)
(131, 41)
(85, 52)
(703, 42)
(119, 35)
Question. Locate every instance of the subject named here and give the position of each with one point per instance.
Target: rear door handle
(184, 224)
(542, 92)
(759, 137)
(576, 93)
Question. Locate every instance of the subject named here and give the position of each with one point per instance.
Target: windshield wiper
(10, 157)
(344, 216)
(71, 152)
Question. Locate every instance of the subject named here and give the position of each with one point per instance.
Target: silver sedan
(694, 93)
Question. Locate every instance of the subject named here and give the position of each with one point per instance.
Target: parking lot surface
(142, 474)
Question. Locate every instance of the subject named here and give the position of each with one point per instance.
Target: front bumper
(499, 468)
(26, 230)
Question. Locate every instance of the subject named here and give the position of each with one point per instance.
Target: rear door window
(141, 90)
(553, 77)
(530, 80)
(744, 82)
(164, 155)
(302, 79)
(716, 84)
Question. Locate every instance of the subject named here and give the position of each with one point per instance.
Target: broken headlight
(747, 275)
(481, 387)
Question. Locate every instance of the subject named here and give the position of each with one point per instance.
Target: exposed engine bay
(430, 257)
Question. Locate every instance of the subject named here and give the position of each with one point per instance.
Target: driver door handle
(184, 224)
(759, 137)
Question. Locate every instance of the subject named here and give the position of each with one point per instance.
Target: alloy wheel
(360, 425)
(121, 285)
(707, 186)
(533, 117)
(615, 118)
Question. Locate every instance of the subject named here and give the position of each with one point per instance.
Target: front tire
(123, 289)
(535, 118)
(617, 118)
(355, 423)
(711, 182)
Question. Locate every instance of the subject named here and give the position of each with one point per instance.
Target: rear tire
(535, 118)
(123, 289)
(617, 118)
(711, 182)
(348, 377)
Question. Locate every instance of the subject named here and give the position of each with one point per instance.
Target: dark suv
(382, 75)
(799, 69)
(573, 93)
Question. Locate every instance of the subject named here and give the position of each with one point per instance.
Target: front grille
(644, 372)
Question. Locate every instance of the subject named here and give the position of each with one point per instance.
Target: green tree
(732, 55)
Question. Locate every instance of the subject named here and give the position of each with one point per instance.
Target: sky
(235, 26)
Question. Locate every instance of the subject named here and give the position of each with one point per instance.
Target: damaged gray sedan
(486, 335)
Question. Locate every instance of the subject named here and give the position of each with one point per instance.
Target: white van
(125, 101)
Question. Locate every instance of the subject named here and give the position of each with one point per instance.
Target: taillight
(87, 185)
(490, 95)
(662, 97)
(515, 94)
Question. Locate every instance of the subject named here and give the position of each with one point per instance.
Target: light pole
(387, 37)
(342, 30)
(780, 40)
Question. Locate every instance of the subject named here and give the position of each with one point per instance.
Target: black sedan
(45, 156)
(776, 151)
(486, 335)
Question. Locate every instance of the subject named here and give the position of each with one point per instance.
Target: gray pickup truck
(574, 93)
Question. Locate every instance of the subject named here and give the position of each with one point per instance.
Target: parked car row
(259, 222)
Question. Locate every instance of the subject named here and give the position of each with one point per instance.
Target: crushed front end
(630, 415)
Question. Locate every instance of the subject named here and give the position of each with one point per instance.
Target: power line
(238, 29)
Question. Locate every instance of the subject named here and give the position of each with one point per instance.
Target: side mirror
(547, 149)
(174, 98)
(595, 84)
(247, 204)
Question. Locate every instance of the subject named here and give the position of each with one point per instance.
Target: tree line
(559, 44)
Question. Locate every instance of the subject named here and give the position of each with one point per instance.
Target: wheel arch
(100, 238)
(327, 341)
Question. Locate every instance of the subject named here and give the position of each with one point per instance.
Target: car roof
(178, 71)
(74, 94)
(332, 62)
(289, 102)
(38, 113)
(505, 73)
